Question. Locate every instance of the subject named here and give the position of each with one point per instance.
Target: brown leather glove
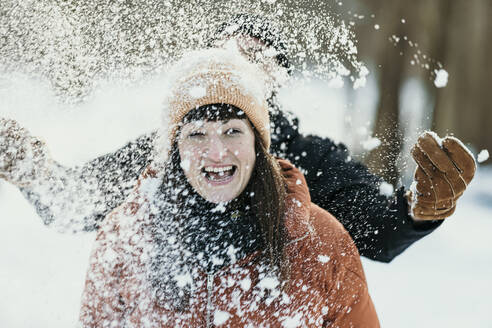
(445, 167)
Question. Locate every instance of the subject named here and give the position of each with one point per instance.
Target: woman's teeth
(218, 173)
(218, 169)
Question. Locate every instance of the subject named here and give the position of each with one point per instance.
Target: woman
(217, 232)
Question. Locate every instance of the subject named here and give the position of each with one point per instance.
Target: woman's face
(217, 157)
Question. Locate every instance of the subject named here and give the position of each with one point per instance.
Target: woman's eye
(232, 131)
(196, 134)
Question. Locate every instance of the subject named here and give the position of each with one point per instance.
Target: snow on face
(185, 163)
(220, 157)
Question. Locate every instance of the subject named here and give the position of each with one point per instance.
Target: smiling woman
(219, 232)
(217, 148)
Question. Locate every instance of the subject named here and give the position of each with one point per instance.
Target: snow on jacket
(326, 288)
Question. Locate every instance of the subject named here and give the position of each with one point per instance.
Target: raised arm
(71, 199)
(379, 224)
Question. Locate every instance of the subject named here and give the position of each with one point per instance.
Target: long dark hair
(268, 186)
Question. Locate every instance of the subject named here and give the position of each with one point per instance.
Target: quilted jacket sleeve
(328, 257)
(350, 304)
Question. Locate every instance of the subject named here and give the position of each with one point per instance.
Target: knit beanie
(215, 76)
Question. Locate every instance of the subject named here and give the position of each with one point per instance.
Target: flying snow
(441, 79)
(76, 45)
(483, 156)
(361, 81)
(386, 189)
(371, 143)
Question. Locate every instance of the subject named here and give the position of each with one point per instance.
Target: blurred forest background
(453, 34)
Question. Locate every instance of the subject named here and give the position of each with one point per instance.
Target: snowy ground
(445, 280)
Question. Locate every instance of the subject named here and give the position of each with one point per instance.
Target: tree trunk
(463, 107)
(383, 160)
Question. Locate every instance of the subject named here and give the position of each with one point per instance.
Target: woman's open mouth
(219, 175)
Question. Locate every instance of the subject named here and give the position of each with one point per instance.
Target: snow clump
(198, 92)
(441, 79)
(292, 322)
(483, 156)
(386, 189)
(183, 279)
(185, 164)
(245, 284)
(438, 139)
(361, 81)
(268, 283)
(371, 143)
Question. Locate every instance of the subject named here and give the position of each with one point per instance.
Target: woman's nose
(216, 149)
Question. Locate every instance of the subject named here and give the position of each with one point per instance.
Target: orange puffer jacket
(326, 288)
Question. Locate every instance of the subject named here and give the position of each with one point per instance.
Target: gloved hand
(23, 158)
(445, 168)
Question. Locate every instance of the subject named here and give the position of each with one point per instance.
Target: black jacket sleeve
(380, 225)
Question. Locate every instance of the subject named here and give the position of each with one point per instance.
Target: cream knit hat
(215, 76)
